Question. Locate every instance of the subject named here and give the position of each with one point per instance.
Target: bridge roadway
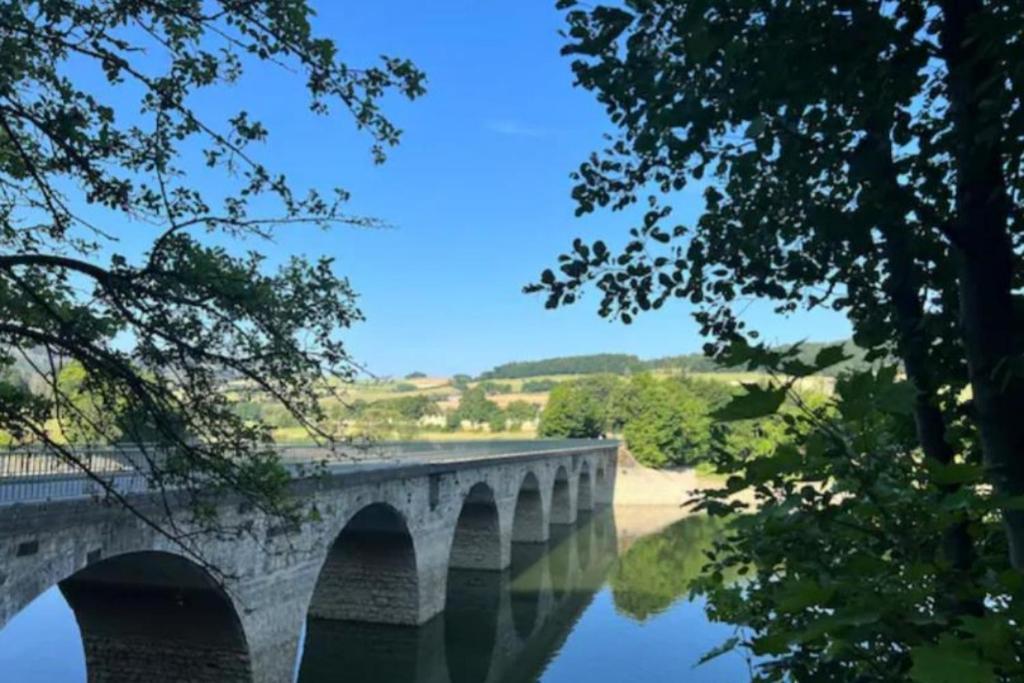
(377, 547)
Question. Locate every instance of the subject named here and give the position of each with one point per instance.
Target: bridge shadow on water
(497, 627)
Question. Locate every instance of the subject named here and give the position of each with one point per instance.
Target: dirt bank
(668, 488)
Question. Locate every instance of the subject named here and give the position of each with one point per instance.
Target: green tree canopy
(664, 422)
(614, 363)
(866, 157)
(476, 408)
(521, 411)
(490, 387)
(410, 407)
(101, 133)
(538, 385)
(578, 409)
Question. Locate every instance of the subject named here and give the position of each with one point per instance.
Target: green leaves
(796, 596)
(153, 340)
(728, 646)
(955, 473)
(950, 661)
(608, 24)
(757, 402)
(756, 127)
(786, 459)
(829, 356)
(826, 188)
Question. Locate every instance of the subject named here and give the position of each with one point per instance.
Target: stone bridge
(379, 550)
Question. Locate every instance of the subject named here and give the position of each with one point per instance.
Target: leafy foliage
(490, 388)
(841, 540)
(396, 418)
(866, 157)
(578, 409)
(476, 408)
(519, 412)
(665, 421)
(99, 134)
(539, 385)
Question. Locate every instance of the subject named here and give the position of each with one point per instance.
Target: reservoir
(604, 601)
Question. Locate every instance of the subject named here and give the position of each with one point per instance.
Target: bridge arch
(370, 573)
(476, 543)
(529, 523)
(156, 616)
(561, 498)
(584, 541)
(584, 489)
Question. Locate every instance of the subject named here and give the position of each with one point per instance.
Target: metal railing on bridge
(37, 475)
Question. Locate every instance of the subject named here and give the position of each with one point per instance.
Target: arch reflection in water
(561, 557)
(475, 584)
(584, 542)
(155, 616)
(529, 579)
(471, 622)
(337, 651)
(498, 627)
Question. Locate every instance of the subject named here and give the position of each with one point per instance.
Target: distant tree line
(623, 364)
(612, 363)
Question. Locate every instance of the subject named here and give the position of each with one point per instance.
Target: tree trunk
(984, 259)
(904, 286)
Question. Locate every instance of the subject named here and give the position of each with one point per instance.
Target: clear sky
(478, 191)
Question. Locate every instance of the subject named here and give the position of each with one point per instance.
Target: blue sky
(478, 191)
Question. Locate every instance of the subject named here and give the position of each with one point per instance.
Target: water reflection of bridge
(498, 627)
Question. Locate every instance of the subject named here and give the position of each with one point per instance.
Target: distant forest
(623, 364)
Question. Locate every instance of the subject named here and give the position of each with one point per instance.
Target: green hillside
(621, 363)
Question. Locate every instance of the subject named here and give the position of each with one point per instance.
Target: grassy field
(446, 397)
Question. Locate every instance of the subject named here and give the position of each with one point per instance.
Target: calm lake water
(604, 602)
